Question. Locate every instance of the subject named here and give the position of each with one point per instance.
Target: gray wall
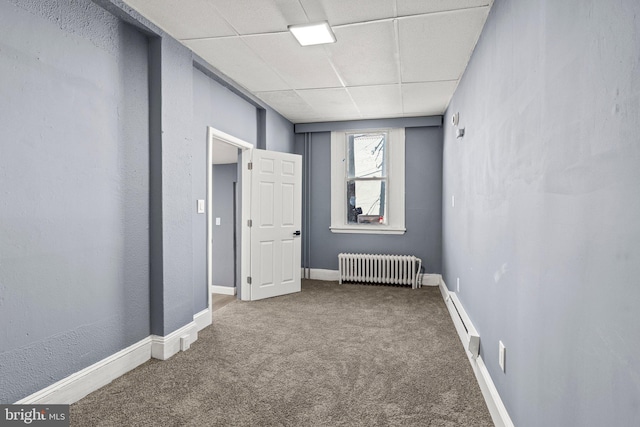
(280, 136)
(222, 109)
(217, 106)
(213, 105)
(101, 164)
(74, 182)
(177, 203)
(423, 204)
(223, 250)
(545, 233)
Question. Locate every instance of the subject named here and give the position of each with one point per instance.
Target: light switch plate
(501, 354)
(200, 206)
(217, 221)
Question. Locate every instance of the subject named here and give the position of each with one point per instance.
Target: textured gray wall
(222, 109)
(280, 136)
(423, 205)
(216, 106)
(100, 243)
(74, 180)
(545, 233)
(176, 103)
(223, 263)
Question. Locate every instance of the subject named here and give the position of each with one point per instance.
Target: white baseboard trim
(224, 290)
(77, 385)
(202, 319)
(164, 347)
(321, 274)
(496, 407)
(491, 396)
(430, 279)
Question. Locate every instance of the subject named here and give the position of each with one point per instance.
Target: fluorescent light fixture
(310, 34)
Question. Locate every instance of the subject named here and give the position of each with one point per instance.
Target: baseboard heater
(383, 269)
(468, 334)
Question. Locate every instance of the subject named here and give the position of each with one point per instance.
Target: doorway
(224, 151)
(224, 254)
(269, 188)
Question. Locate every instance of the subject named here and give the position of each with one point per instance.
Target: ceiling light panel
(415, 7)
(299, 67)
(427, 98)
(184, 20)
(313, 34)
(446, 43)
(345, 12)
(260, 16)
(235, 59)
(366, 54)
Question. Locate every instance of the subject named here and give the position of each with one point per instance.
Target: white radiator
(389, 269)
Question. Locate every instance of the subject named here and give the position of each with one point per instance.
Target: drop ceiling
(392, 58)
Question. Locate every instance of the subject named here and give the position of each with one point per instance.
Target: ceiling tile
(345, 12)
(289, 104)
(300, 67)
(263, 16)
(372, 71)
(331, 102)
(184, 19)
(378, 101)
(438, 47)
(235, 59)
(415, 7)
(427, 98)
(365, 54)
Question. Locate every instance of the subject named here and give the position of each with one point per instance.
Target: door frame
(214, 134)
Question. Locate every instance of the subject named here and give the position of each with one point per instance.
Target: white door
(276, 217)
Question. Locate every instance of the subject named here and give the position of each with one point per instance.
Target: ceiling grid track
(399, 62)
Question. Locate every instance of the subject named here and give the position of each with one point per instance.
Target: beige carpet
(332, 355)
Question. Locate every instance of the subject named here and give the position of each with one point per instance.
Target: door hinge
(249, 223)
(249, 279)
(250, 165)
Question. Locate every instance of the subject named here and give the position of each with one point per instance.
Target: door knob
(296, 233)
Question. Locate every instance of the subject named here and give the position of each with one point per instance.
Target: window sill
(363, 229)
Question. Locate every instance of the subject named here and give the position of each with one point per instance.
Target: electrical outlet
(457, 284)
(200, 206)
(185, 342)
(501, 354)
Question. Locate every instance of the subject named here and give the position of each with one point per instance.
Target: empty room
(320, 212)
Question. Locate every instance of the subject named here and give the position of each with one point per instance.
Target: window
(367, 182)
(366, 178)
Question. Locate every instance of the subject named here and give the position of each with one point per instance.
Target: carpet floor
(331, 355)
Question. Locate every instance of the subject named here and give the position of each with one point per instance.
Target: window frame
(395, 190)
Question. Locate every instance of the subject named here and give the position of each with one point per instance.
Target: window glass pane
(366, 155)
(366, 202)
